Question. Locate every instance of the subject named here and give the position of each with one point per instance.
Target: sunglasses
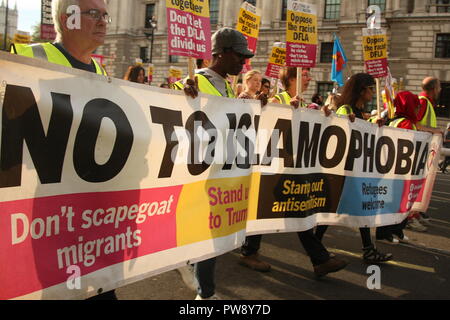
(97, 15)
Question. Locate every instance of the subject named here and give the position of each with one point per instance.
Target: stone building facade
(13, 16)
(418, 34)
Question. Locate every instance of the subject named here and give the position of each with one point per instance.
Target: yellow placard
(248, 23)
(301, 27)
(278, 56)
(20, 38)
(375, 47)
(197, 7)
(175, 72)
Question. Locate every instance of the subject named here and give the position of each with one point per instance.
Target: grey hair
(59, 7)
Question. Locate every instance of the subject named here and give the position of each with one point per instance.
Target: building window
(149, 14)
(214, 11)
(443, 45)
(174, 59)
(252, 2)
(332, 9)
(284, 11)
(444, 8)
(380, 3)
(143, 54)
(326, 52)
(324, 88)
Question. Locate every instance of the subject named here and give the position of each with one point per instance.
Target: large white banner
(105, 182)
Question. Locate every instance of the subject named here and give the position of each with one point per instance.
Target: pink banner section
(189, 35)
(377, 68)
(43, 237)
(252, 42)
(412, 192)
(301, 55)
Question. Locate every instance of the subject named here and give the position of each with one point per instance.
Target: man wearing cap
(229, 50)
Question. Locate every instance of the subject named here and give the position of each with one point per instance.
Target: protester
(288, 77)
(202, 63)
(229, 50)
(320, 258)
(426, 117)
(252, 85)
(73, 47)
(136, 74)
(317, 102)
(406, 107)
(443, 165)
(265, 87)
(358, 91)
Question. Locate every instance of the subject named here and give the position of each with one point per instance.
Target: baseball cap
(230, 38)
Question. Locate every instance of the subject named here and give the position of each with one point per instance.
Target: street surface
(420, 269)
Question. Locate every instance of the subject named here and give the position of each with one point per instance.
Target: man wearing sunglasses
(79, 34)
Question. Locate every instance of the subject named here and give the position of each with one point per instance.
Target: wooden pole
(377, 80)
(191, 66)
(300, 83)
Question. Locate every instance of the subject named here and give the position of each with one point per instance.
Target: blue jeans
(204, 273)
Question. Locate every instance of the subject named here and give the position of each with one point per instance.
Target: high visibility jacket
(205, 86)
(429, 119)
(285, 98)
(373, 119)
(395, 123)
(344, 110)
(48, 52)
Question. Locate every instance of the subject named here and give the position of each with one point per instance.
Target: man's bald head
(430, 83)
(432, 86)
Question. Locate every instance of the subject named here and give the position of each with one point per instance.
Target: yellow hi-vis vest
(48, 52)
(205, 86)
(285, 98)
(396, 122)
(344, 110)
(429, 119)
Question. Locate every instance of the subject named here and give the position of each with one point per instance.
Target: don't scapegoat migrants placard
(112, 181)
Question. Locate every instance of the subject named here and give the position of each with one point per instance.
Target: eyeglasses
(97, 15)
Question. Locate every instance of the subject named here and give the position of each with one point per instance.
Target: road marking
(395, 263)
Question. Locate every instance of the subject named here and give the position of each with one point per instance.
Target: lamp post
(151, 35)
(5, 37)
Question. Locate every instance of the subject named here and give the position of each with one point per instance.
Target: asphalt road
(420, 269)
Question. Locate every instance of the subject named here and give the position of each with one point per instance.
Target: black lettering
(231, 152)
(169, 119)
(284, 128)
(404, 156)
(354, 150)
(422, 161)
(85, 141)
(307, 149)
(244, 162)
(194, 167)
(21, 122)
(416, 157)
(385, 141)
(340, 146)
(368, 152)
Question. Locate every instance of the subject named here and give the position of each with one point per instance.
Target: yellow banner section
(301, 27)
(375, 47)
(197, 7)
(248, 23)
(278, 56)
(212, 209)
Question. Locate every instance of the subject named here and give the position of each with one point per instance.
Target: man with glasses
(79, 33)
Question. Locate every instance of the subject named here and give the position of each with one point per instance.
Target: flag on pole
(339, 62)
(389, 95)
